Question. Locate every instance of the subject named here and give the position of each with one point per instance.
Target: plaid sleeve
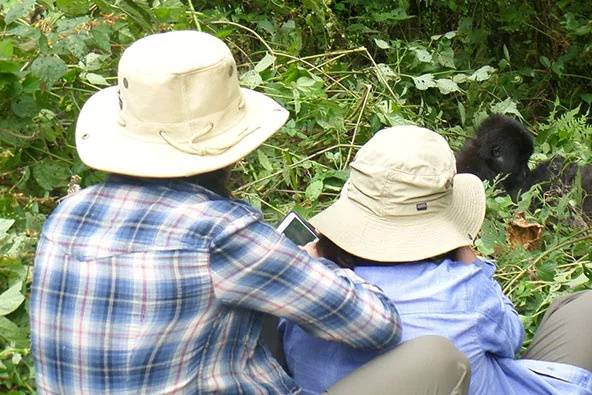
(255, 267)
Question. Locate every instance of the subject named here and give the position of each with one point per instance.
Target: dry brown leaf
(520, 232)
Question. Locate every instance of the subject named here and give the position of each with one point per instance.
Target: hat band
(420, 205)
(212, 125)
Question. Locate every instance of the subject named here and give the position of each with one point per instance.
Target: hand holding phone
(295, 228)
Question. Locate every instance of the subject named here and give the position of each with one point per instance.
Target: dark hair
(344, 259)
(333, 252)
(216, 181)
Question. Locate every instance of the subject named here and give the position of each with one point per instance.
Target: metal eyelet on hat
(85, 136)
(125, 84)
(120, 104)
(231, 70)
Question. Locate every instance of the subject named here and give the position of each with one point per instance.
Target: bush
(344, 69)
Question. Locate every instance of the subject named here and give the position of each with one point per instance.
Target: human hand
(312, 249)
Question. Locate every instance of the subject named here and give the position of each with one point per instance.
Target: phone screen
(298, 233)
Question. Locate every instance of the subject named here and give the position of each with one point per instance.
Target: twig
(357, 127)
(253, 32)
(379, 74)
(248, 185)
(194, 16)
(507, 288)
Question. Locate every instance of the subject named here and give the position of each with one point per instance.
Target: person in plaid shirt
(156, 281)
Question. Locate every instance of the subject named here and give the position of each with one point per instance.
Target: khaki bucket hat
(177, 110)
(403, 200)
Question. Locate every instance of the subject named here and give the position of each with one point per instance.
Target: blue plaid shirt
(154, 287)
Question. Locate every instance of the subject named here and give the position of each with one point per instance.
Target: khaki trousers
(565, 332)
(424, 365)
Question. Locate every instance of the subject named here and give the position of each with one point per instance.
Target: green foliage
(344, 69)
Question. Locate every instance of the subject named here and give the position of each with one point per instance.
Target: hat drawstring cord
(215, 150)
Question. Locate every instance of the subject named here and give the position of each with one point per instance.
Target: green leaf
(422, 54)
(546, 271)
(381, 44)
(24, 106)
(11, 332)
(51, 174)
(100, 37)
(386, 71)
(303, 83)
(579, 281)
(8, 67)
(264, 160)
(251, 79)
(483, 74)
(6, 49)
(460, 78)
(446, 58)
(96, 79)
(313, 191)
(11, 299)
(447, 86)
(93, 61)
(545, 61)
(264, 63)
(20, 9)
(425, 81)
(139, 13)
(76, 45)
(5, 224)
(507, 106)
(462, 113)
(49, 69)
(73, 7)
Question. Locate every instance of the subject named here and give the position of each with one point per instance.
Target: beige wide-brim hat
(404, 201)
(177, 110)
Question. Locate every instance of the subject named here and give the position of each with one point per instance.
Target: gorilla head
(501, 146)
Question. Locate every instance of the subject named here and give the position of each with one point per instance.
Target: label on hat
(423, 206)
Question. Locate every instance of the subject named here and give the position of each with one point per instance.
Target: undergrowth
(344, 69)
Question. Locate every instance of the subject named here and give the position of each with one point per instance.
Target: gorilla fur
(558, 175)
(501, 146)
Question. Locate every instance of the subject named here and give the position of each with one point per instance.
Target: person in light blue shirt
(405, 221)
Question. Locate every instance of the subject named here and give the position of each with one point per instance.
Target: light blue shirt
(461, 302)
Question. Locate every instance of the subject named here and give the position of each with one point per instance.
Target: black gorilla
(501, 146)
(555, 175)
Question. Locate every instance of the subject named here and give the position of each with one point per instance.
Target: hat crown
(415, 176)
(183, 84)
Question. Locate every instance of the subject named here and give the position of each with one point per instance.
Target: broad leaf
(483, 74)
(49, 69)
(11, 299)
(425, 81)
(11, 332)
(251, 79)
(381, 44)
(313, 191)
(96, 79)
(264, 63)
(51, 174)
(447, 86)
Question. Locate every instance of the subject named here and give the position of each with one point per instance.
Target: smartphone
(297, 229)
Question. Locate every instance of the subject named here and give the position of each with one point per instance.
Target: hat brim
(406, 238)
(103, 144)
